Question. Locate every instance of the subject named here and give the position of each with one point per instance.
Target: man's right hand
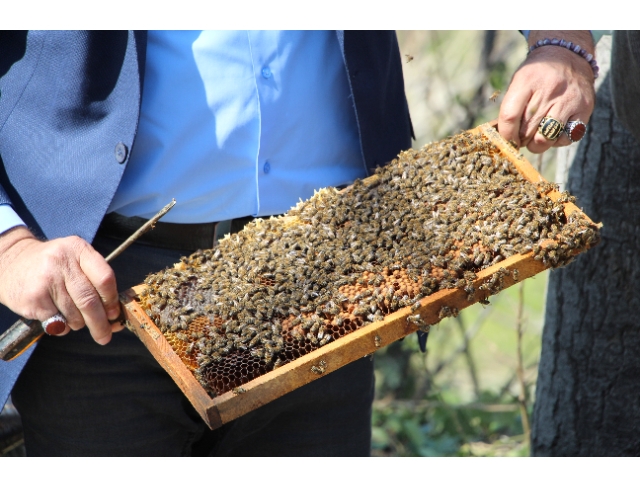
(65, 275)
(551, 82)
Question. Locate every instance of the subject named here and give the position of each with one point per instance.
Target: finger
(118, 324)
(66, 330)
(46, 310)
(103, 279)
(116, 327)
(90, 305)
(512, 111)
(564, 110)
(531, 119)
(538, 142)
(67, 307)
(562, 141)
(52, 321)
(56, 325)
(62, 301)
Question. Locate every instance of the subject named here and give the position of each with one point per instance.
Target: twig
(467, 353)
(14, 445)
(507, 385)
(539, 163)
(469, 334)
(522, 396)
(424, 404)
(144, 228)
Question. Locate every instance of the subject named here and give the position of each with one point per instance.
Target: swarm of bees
(285, 286)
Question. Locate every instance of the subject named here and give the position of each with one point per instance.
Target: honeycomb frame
(352, 346)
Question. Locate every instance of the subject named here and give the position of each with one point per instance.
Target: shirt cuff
(9, 219)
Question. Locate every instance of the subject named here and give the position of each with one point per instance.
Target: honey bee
(320, 368)
(416, 320)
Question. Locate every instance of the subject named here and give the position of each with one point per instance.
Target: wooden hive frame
(353, 346)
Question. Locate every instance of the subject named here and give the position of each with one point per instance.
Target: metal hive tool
(290, 299)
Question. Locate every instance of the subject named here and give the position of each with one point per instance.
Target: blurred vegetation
(471, 393)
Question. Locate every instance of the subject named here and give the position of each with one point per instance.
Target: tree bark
(588, 389)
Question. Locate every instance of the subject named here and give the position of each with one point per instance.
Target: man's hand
(66, 275)
(551, 82)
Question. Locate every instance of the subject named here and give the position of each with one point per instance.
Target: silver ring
(54, 325)
(575, 130)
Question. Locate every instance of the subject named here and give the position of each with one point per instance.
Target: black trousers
(77, 398)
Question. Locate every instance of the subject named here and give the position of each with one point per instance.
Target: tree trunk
(588, 390)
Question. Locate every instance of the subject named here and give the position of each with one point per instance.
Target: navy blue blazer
(69, 108)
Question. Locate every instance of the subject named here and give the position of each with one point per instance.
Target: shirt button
(267, 167)
(121, 152)
(266, 73)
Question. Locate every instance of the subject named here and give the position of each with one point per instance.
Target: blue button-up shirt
(240, 123)
(237, 123)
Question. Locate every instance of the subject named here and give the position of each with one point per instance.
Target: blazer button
(121, 152)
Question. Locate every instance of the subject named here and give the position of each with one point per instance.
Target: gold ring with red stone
(575, 130)
(550, 128)
(54, 325)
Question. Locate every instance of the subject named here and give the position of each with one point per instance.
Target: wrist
(580, 37)
(12, 237)
(580, 43)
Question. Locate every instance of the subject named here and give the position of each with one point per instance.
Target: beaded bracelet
(572, 47)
